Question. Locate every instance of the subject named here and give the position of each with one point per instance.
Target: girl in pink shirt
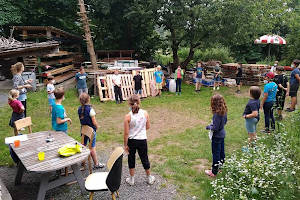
(17, 107)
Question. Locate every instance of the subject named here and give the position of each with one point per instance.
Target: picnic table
(28, 151)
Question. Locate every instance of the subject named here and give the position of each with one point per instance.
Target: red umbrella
(270, 39)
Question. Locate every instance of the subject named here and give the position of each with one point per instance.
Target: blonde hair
(13, 94)
(16, 68)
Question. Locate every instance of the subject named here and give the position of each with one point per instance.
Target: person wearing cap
(294, 85)
(270, 90)
(282, 82)
(158, 76)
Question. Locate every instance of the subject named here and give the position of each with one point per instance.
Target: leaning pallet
(106, 87)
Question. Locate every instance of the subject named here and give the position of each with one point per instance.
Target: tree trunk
(88, 36)
(174, 46)
(188, 59)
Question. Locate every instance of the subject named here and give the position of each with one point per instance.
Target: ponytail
(135, 108)
(16, 68)
(134, 102)
(13, 94)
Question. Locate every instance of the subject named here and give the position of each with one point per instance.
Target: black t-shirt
(281, 79)
(240, 72)
(252, 105)
(138, 82)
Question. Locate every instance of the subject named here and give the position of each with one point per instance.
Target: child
(158, 77)
(217, 77)
(199, 75)
(81, 77)
(239, 75)
(50, 91)
(136, 123)
(178, 76)
(219, 110)
(270, 90)
(137, 82)
(87, 116)
(59, 117)
(282, 82)
(251, 113)
(17, 107)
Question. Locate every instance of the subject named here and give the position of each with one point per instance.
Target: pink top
(178, 73)
(16, 106)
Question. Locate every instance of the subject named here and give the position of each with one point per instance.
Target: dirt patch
(156, 159)
(161, 119)
(201, 164)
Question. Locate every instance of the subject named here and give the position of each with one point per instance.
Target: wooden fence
(106, 86)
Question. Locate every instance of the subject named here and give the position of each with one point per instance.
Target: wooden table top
(28, 152)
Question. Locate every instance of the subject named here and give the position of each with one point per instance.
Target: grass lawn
(179, 147)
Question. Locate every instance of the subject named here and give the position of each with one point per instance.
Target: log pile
(252, 73)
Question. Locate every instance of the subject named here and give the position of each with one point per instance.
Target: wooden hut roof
(49, 28)
(14, 48)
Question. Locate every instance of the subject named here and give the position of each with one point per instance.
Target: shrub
(268, 171)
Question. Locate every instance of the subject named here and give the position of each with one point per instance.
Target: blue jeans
(218, 152)
(178, 84)
(269, 115)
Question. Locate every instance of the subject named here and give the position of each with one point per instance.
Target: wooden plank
(59, 70)
(59, 61)
(64, 77)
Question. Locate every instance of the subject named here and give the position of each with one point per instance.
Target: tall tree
(188, 22)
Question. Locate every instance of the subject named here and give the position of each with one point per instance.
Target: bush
(216, 53)
(268, 171)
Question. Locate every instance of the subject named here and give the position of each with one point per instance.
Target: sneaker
(218, 88)
(151, 180)
(130, 180)
(214, 88)
(99, 166)
(209, 173)
(265, 131)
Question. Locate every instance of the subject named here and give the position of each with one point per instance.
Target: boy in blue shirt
(270, 90)
(158, 76)
(59, 117)
(81, 77)
(294, 85)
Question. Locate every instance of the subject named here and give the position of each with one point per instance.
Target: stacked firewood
(252, 73)
(9, 43)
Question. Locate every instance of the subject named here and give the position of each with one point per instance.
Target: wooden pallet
(106, 86)
(59, 70)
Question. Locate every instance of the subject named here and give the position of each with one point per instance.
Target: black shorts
(238, 80)
(142, 148)
(293, 90)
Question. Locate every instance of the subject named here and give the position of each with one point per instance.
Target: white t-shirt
(273, 69)
(50, 88)
(116, 79)
(92, 112)
(137, 126)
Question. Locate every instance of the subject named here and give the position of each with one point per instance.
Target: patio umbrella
(270, 39)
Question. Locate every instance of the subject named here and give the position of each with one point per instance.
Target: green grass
(177, 150)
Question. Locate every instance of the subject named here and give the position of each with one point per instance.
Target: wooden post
(87, 31)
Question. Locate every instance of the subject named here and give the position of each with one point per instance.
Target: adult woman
(178, 76)
(20, 84)
(136, 123)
